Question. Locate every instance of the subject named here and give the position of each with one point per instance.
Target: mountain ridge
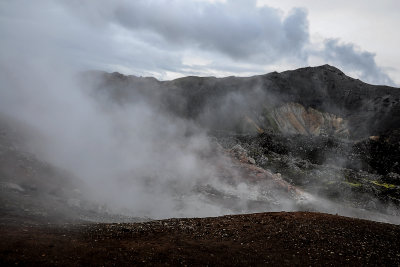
(370, 109)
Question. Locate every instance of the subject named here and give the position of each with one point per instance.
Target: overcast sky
(174, 38)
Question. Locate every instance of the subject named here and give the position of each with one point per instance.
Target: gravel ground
(282, 238)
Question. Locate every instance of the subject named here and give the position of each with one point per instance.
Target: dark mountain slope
(222, 103)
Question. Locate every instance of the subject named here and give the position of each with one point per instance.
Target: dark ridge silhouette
(369, 109)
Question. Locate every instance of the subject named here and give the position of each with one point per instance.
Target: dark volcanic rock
(340, 170)
(382, 153)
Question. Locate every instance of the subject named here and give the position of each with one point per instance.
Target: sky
(175, 38)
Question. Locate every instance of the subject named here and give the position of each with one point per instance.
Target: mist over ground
(147, 148)
(136, 154)
(131, 157)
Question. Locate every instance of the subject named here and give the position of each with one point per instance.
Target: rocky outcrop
(354, 173)
(293, 118)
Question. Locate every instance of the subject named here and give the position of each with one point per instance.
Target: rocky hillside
(35, 191)
(308, 139)
(293, 118)
(313, 100)
(323, 131)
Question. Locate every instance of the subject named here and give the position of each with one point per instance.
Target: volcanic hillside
(311, 139)
(307, 101)
(325, 132)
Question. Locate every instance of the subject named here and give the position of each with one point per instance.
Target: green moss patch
(386, 185)
(353, 184)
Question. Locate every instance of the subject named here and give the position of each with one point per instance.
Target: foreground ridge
(281, 238)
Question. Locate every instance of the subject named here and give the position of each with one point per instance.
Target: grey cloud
(347, 56)
(234, 31)
(46, 31)
(151, 38)
(238, 29)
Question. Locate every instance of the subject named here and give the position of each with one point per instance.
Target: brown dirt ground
(283, 238)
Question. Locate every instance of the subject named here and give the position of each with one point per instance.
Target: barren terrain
(280, 238)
